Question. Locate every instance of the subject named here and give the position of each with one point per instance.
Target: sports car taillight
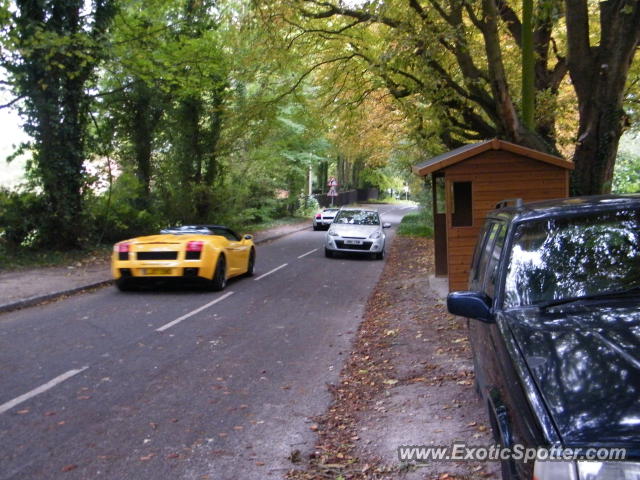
(194, 246)
(124, 247)
(123, 250)
(194, 249)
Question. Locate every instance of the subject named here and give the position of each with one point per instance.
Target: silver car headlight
(375, 234)
(332, 232)
(555, 471)
(608, 470)
(619, 470)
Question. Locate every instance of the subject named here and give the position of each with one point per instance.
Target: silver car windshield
(357, 217)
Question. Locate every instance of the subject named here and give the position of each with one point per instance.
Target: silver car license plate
(353, 242)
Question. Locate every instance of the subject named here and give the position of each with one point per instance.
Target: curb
(31, 301)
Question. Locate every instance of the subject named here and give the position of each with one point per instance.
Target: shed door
(461, 235)
(439, 224)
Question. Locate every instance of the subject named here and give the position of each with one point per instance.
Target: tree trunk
(528, 64)
(52, 79)
(510, 127)
(145, 115)
(599, 75)
(601, 123)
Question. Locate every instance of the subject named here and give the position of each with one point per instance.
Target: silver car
(324, 218)
(356, 230)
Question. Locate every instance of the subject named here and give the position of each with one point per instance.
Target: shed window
(462, 215)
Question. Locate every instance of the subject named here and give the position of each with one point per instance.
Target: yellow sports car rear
(208, 253)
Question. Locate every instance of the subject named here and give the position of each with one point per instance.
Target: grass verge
(415, 225)
(22, 258)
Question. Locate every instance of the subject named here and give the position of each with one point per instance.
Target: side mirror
(248, 237)
(476, 305)
(386, 225)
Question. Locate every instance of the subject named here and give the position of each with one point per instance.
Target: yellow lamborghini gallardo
(210, 253)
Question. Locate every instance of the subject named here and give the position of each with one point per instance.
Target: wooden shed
(469, 181)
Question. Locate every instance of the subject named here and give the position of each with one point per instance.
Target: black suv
(553, 303)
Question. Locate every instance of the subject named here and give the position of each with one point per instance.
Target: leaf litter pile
(408, 381)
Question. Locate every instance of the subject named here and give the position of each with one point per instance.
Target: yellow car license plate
(156, 271)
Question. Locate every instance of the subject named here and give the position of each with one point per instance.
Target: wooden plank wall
(495, 175)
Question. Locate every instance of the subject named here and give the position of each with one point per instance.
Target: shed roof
(467, 151)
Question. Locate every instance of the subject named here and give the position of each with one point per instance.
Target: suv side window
(494, 260)
(473, 273)
(481, 257)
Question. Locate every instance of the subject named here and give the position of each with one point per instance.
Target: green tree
(450, 65)
(599, 70)
(51, 50)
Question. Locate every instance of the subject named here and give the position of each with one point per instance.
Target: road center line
(308, 253)
(41, 389)
(190, 314)
(271, 271)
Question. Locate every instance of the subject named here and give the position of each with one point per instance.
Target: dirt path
(409, 381)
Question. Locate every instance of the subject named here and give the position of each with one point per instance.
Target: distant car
(356, 230)
(323, 219)
(554, 311)
(208, 253)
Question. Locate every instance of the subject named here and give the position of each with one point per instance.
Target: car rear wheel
(219, 280)
(123, 284)
(251, 263)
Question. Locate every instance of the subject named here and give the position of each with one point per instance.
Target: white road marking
(190, 314)
(41, 389)
(308, 253)
(271, 271)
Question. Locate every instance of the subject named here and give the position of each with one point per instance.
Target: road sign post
(333, 188)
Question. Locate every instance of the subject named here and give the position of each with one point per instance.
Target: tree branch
(12, 102)
(334, 10)
(307, 73)
(509, 16)
(418, 8)
(580, 57)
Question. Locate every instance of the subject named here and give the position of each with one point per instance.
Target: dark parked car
(554, 320)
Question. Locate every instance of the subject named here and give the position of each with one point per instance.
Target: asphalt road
(182, 384)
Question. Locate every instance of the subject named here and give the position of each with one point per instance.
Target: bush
(626, 176)
(21, 216)
(121, 214)
(307, 206)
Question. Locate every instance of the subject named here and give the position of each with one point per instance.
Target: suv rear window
(555, 259)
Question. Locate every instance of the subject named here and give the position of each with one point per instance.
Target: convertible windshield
(187, 230)
(357, 217)
(572, 258)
